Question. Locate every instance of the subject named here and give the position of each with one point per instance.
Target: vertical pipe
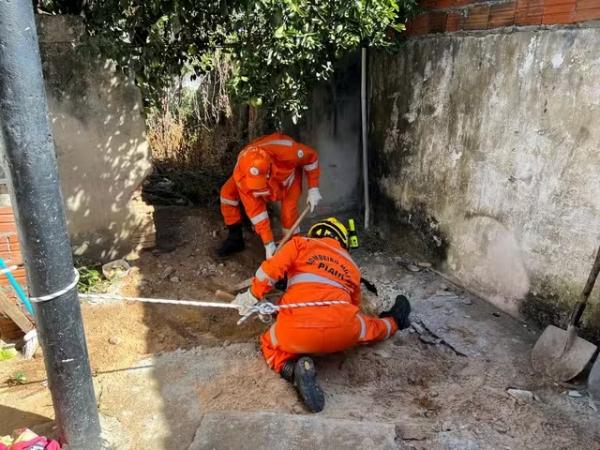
(363, 114)
(30, 162)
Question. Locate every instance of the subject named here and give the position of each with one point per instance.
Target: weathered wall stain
(496, 137)
(100, 143)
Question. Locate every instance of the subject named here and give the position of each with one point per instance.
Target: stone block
(276, 431)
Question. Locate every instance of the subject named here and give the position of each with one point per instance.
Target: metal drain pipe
(364, 133)
(30, 162)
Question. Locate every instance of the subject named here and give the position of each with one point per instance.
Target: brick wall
(10, 251)
(441, 16)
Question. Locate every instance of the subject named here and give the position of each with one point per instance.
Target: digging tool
(593, 383)
(561, 354)
(30, 340)
(246, 283)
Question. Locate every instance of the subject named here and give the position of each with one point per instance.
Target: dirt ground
(443, 384)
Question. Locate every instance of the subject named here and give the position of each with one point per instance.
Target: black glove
(370, 286)
(281, 284)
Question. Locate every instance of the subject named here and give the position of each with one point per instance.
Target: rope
(9, 269)
(53, 295)
(264, 309)
(163, 301)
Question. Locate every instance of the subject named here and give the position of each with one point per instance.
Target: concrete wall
(99, 135)
(332, 126)
(490, 143)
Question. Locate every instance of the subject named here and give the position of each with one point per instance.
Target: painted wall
(102, 151)
(489, 142)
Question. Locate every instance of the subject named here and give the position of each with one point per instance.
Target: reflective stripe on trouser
(286, 340)
(230, 199)
(289, 203)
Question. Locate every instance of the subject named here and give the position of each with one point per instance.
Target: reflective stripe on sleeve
(285, 142)
(261, 193)
(388, 326)
(312, 166)
(312, 278)
(262, 276)
(363, 327)
(289, 180)
(272, 334)
(226, 201)
(259, 217)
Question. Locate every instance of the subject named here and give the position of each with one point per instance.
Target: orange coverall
(288, 160)
(317, 270)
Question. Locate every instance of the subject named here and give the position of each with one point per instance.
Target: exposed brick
(558, 6)
(587, 10)
(19, 274)
(429, 4)
(558, 18)
(437, 22)
(11, 257)
(477, 18)
(587, 4)
(439, 4)
(8, 227)
(418, 25)
(559, 11)
(502, 15)
(529, 12)
(454, 22)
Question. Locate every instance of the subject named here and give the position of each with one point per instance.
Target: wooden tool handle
(224, 295)
(290, 232)
(589, 285)
(247, 283)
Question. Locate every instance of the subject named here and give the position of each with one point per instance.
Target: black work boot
(287, 372)
(400, 312)
(305, 380)
(234, 242)
(302, 374)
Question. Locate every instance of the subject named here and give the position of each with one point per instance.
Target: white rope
(53, 295)
(323, 303)
(264, 309)
(163, 301)
(205, 304)
(9, 269)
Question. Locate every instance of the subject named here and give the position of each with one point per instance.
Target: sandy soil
(157, 369)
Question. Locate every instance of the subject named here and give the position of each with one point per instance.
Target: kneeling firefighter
(318, 268)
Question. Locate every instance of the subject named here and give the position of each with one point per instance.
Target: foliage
(91, 280)
(16, 379)
(279, 48)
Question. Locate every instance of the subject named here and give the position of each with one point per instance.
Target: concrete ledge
(275, 431)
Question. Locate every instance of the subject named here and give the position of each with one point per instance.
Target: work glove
(270, 249)
(245, 301)
(313, 198)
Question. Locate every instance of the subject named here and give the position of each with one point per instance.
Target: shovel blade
(550, 357)
(593, 384)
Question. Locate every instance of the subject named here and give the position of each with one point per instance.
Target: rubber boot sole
(305, 380)
(400, 312)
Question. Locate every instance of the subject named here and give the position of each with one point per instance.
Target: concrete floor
(178, 378)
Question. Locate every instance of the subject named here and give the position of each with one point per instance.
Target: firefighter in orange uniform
(319, 268)
(268, 169)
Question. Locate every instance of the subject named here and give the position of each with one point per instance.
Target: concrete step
(279, 431)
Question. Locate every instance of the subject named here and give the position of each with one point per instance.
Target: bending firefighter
(268, 169)
(319, 268)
